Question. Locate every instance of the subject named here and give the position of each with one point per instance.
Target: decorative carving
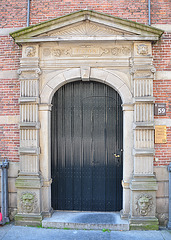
(46, 52)
(85, 73)
(144, 204)
(19, 71)
(86, 28)
(153, 70)
(30, 51)
(143, 74)
(132, 71)
(56, 52)
(37, 70)
(131, 62)
(142, 49)
(28, 202)
(120, 50)
(85, 50)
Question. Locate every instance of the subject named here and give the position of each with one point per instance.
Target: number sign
(160, 109)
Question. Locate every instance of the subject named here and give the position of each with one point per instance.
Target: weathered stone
(101, 60)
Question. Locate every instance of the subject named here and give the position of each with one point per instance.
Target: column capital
(127, 107)
(45, 107)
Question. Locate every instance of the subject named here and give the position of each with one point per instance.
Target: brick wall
(162, 53)
(14, 15)
(9, 142)
(10, 54)
(162, 93)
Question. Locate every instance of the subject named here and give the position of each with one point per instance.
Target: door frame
(108, 98)
(99, 75)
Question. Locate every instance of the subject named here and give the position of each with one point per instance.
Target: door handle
(116, 155)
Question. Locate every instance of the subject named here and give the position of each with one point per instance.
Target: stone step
(86, 220)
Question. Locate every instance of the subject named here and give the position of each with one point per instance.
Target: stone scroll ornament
(28, 202)
(144, 204)
(30, 51)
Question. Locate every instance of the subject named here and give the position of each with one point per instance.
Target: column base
(143, 223)
(28, 220)
(48, 213)
(169, 225)
(124, 215)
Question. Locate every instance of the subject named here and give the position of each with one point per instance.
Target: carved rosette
(28, 202)
(144, 204)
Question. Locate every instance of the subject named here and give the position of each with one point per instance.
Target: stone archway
(111, 79)
(118, 54)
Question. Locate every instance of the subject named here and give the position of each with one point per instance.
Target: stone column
(28, 183)
(45, 157)
(143, 186)
(127, 157)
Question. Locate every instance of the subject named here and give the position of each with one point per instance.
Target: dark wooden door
(86, 148)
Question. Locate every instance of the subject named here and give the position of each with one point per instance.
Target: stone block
(114, 80)
(98, 74)
(11, 185)
(56, 81)
(163, 218)
(28, 220)
(162, 205)
(143, 204)
(28, 201)
(13, 169)
(72, 74)
(144, 224)
(13, 200)
(163, 189)
(162, 173)
(45, 94)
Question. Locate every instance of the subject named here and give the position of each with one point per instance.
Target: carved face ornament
(30, 51)
(144, 203)
(142, 49)
(28, 201)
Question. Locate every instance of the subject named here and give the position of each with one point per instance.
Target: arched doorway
(86, 148)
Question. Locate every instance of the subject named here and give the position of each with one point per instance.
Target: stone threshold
(86, 220)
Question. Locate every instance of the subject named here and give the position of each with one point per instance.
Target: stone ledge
(144, 125)
(35, 125)
(144, 223)
(145, 151)
(28, 219)
(31, 182)
(144, 99)
(144, 184)
(29, 151)
(23, 100)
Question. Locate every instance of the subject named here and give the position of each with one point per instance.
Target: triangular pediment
(86, 28)
(86, 25)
